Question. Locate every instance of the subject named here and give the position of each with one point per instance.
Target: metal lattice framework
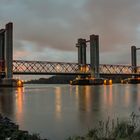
(43, 67)
(53, 68)
(117, 69)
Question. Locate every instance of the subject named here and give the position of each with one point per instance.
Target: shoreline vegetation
(10, 131)
(62, 79)
(109, 130)
(53, 80)
(114, 130)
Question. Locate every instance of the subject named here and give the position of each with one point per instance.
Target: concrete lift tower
(134, 58)
(6, 57)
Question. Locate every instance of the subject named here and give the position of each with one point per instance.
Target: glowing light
(19, 83)
(84, 68)
(104, 82)
(110, 82)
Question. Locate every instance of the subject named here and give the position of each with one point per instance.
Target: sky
(48, 29)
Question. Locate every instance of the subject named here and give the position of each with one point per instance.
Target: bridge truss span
(44, 67)
(54, 68)
(116, 69)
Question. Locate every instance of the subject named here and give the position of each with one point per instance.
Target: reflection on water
(58, 102)
(108, 97)
(19, 103)
(59, 111)
(88, 97)
(11, 102)
(6, 101)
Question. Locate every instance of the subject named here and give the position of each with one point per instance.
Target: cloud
(55, 25)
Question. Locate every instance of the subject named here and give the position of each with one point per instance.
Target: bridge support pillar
(9, 50)
(94, 55)
(6, 58)
(133, 59)
(81, 45)
(82, 51)
(2, 53)
(2, 44)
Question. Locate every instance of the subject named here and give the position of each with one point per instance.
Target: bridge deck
(54, 68)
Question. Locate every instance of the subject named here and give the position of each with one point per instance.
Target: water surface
(59, 111)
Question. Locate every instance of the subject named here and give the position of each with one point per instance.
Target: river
(60, 111)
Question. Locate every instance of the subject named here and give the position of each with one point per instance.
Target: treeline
(53, 80)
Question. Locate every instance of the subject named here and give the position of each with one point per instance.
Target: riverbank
(114, 130)
(109, 130)
(10, 131)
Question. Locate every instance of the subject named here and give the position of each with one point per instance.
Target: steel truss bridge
(56, 68)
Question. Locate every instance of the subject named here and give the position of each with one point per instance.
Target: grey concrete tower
(9, 50)
(2, 44)
(81, 45)
(2, 49)
(133, 59)
(79, 53)
(94, 55)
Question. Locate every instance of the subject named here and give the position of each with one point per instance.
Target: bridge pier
(6, 58)
(9, 50)
(134, 59)
(2, 31)
(2, 52)
(94, 78)
(94, 56)
(81, 45)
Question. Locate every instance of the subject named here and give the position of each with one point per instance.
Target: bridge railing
(44, 67)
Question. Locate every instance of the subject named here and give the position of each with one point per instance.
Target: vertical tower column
(83, 48)
(133, 59)
(2, 49)
(94, 55)
(2, 44)
(9, 50)
(79, 53)
(97, 56)
(81, 45)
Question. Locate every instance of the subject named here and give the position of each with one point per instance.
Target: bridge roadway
(21, 67)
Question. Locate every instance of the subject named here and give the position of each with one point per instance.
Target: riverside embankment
(10, 131)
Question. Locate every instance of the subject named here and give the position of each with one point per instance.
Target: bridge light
(105, 82)
(110, 82)
(87, 68)
(19, 83)
(84, 68)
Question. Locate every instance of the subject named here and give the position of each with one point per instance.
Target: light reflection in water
(19, 103)
(83, 97)
(88, 103)
(87, 97)
(108, 97)
(58, 102)
(127, 96)
(77, 92)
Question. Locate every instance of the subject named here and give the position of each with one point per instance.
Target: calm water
(59, 111)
